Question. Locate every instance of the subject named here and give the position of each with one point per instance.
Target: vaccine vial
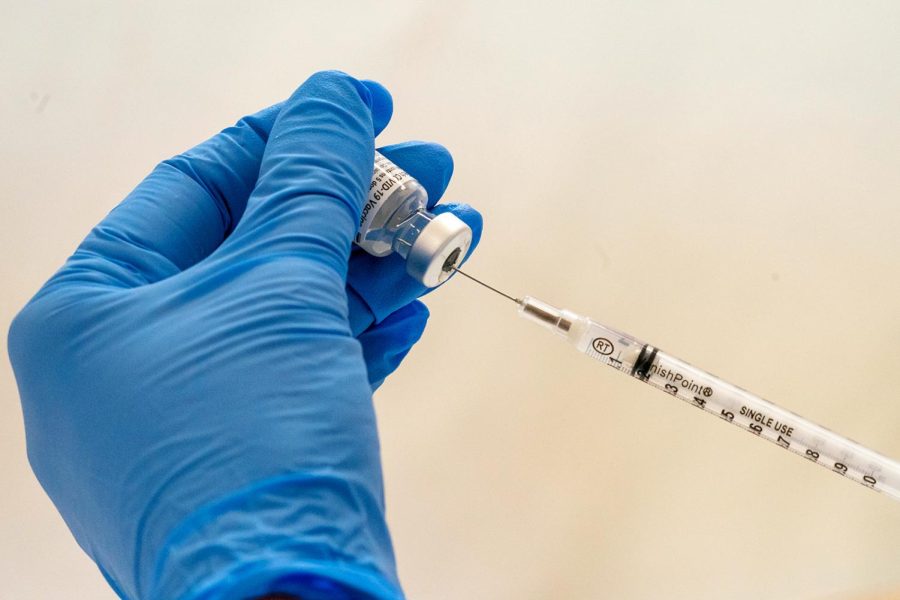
(395, 218)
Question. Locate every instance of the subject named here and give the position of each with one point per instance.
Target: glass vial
(395, 218)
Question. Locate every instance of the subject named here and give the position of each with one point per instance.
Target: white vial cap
(432, 254)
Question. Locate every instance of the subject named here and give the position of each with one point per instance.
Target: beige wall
(721, 178)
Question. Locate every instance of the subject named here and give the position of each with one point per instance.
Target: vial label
(387, 178)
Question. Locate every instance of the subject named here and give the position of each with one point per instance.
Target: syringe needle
(517, 301)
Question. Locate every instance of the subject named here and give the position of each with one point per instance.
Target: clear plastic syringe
(713, 395)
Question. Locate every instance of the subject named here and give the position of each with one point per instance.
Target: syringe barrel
(739, 407)
(713, 395)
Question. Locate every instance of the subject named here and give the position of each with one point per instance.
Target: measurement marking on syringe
(758, 424)
(677, 379)
(766, 421)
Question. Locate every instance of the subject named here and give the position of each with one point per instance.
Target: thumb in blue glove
(197, 403)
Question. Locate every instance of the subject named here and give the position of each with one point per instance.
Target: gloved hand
(196, 380)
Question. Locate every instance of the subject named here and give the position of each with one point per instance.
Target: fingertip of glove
(411, 318)
(438, 155)
(381, 103)
(417, 311)
(334, 83)
(387, 343)
(405, 326)
(429, 162)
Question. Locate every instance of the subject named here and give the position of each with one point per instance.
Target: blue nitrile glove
(196, 380)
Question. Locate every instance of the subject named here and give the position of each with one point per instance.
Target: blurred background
(719, 178)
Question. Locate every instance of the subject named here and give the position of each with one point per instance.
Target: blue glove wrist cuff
(288, 535)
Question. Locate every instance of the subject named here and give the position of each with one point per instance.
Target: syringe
(715, 396)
